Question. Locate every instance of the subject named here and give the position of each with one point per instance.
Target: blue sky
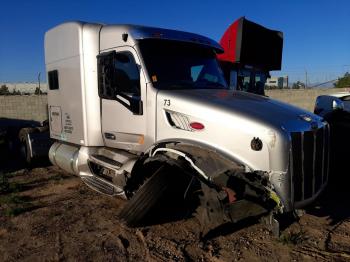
(316, 33)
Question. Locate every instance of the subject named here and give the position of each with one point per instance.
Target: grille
(309, 162)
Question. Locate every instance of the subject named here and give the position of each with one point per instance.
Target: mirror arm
(135, 105)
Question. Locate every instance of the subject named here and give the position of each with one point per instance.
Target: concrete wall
(35, 107)
(304, 98)
(31, 107)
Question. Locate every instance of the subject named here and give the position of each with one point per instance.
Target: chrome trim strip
(328, 147)
(291, 172)
(54, 152)
(314, 163)
(302, 166)
(29, 141)
(323, 152)
(72, 162)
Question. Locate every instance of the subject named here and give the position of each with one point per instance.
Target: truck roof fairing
(248, 43)
(145, 32)
(138, 32)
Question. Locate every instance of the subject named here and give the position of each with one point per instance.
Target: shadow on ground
(334, 202)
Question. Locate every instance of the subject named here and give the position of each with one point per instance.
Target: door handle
(109, 136)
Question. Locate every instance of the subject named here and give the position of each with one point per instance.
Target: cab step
(103, 186)
(106, 162)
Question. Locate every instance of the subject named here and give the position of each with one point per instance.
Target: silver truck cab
(122, 96)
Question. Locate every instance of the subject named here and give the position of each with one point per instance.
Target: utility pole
(39, 81)
(305, 78)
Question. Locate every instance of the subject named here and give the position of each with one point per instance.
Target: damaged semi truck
(134, 110)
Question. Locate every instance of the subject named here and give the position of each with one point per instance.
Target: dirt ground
(48, 215)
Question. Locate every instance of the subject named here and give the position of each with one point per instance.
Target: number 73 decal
(166, 102)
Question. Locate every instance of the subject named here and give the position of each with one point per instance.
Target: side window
(118, 73)
(119, 79)
(127, 75)
(53, 80)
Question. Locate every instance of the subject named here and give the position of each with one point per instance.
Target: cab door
(122, 90)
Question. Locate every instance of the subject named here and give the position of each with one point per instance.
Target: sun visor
(251, 44)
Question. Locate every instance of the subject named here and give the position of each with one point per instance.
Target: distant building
(277, 82)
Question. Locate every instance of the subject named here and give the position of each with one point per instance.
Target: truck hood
(246, 105)
(229, 122)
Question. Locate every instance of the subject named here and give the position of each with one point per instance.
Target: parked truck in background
(134, 110)
(335, 109)
(251, 51)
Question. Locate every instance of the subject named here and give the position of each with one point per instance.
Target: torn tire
(146, 197)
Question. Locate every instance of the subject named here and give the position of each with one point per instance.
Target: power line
(319, 84)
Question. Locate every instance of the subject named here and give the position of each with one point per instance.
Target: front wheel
(146, 197)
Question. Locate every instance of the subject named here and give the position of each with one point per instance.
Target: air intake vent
(178, 120)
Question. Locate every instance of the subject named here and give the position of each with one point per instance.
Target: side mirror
(326, 104)
(132, 102)
(337, 104)
(106, 73)
(136, 105)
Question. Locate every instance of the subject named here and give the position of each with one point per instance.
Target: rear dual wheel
(24, 146)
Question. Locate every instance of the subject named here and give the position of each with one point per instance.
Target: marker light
(197, 126)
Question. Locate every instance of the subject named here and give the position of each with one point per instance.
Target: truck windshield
(179, 65)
